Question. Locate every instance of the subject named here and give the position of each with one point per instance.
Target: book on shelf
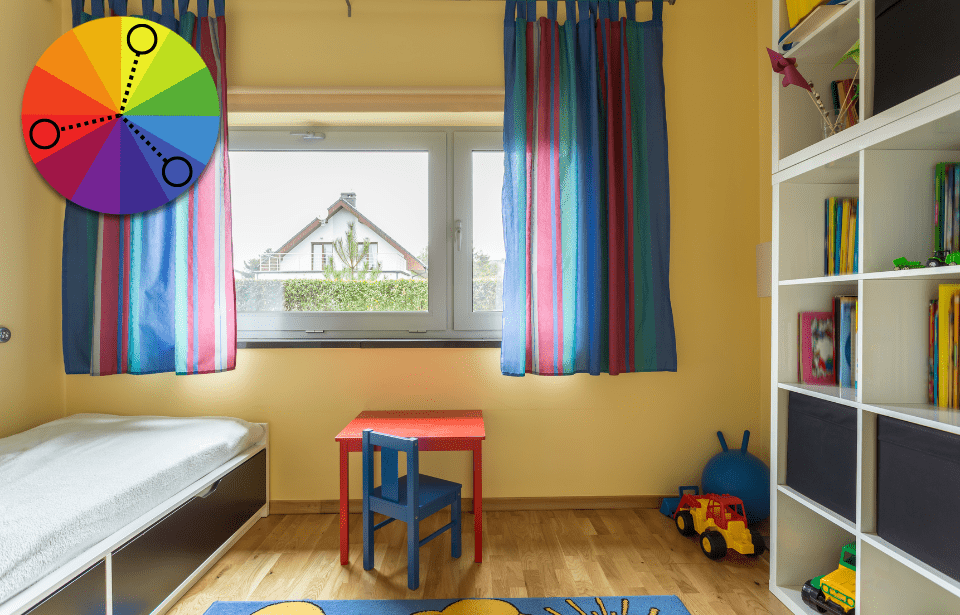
(840, 236)
(946, 336)
(817, 341)
(845, 357)
(846, 93)
(946, 208)
(932, 352)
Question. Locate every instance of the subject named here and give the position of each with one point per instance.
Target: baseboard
(305, 507)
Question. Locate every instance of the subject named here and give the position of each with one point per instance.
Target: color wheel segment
(120, 115)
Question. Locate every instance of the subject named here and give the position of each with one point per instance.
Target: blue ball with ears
(741, 474)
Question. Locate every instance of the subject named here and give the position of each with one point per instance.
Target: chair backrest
(390, 447)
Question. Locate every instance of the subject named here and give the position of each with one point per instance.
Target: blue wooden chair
(408, 498)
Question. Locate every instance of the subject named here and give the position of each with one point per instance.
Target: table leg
(477, 504)
(344, 504)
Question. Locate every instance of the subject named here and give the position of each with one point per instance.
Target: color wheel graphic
(120, 115)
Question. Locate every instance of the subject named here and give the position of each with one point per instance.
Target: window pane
(330, 231)
(488, 251)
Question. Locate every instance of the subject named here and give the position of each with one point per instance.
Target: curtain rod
(670, 2)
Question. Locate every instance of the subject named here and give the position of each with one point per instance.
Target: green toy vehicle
(835, 592)
(941, 258)
(902, 263)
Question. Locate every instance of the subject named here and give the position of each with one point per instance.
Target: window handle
(459, 235)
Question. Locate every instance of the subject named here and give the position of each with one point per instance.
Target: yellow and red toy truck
(835, 592)
(721, 523)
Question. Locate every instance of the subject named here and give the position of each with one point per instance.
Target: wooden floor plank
(526, 554)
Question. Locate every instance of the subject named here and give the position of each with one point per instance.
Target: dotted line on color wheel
(126, 92)
(136, 131)
(88, 122)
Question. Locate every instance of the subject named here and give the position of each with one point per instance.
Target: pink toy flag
(788, 68)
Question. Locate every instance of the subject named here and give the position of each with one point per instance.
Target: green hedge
(354, 296)
(259, 295)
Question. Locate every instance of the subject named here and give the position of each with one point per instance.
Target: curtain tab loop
(552, 10)
(148, 10)
(531, 10)
(658, 11)
(168, 16)
(510, 14)
(219, 6)
(119, 7)
(631, 6)
(76, 6)
(572, 11)
(203, 8)
(96, 8)
(604, 9)
(184, 7)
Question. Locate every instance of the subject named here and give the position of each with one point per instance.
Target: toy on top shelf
(902, 264)
(835, 592)
(721, 523)
(940, 258)
(943, 257)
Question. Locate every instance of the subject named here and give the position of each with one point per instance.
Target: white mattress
(68, 484)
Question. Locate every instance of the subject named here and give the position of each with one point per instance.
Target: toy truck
(721, 523)
(835, 592)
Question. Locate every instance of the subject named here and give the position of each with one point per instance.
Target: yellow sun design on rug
(479, 606)
(290, 608)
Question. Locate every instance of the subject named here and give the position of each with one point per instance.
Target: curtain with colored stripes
(586, 201)
(154, 292)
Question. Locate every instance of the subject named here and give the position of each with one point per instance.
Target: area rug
(605, 605)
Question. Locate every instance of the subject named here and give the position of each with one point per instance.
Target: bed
(111, 514)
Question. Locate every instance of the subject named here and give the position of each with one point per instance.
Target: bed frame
(146, 566)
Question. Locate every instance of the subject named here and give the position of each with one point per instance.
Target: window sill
(370, 343)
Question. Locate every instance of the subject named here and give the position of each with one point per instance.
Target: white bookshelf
(887, 161)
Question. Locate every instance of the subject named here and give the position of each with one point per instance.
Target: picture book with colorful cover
(816, 348)
(843, 360)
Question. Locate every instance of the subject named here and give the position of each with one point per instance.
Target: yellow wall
(625, 435)
(31, 367)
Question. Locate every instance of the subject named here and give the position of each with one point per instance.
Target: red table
(437, 430)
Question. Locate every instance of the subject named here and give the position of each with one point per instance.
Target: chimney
(349, 198)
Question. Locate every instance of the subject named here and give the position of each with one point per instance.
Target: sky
(275, 194)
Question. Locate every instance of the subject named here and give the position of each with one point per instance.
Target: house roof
(413, 263)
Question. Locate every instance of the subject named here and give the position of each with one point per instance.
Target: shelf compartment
(818, 508)
(899, 188)
(899, 578)
(807, 542)
(822, 455)
(801, 228)
(894, 339)
(832, 39)
(800, 123)
(791, 301)
(930, 121)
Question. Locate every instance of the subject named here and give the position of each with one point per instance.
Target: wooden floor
(526, 553)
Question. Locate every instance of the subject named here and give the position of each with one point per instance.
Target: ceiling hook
(349, 9)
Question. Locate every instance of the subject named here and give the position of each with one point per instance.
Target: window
(323, 256)
(367, 234)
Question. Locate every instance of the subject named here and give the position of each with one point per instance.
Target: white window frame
(464, 144)
(450, 275)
